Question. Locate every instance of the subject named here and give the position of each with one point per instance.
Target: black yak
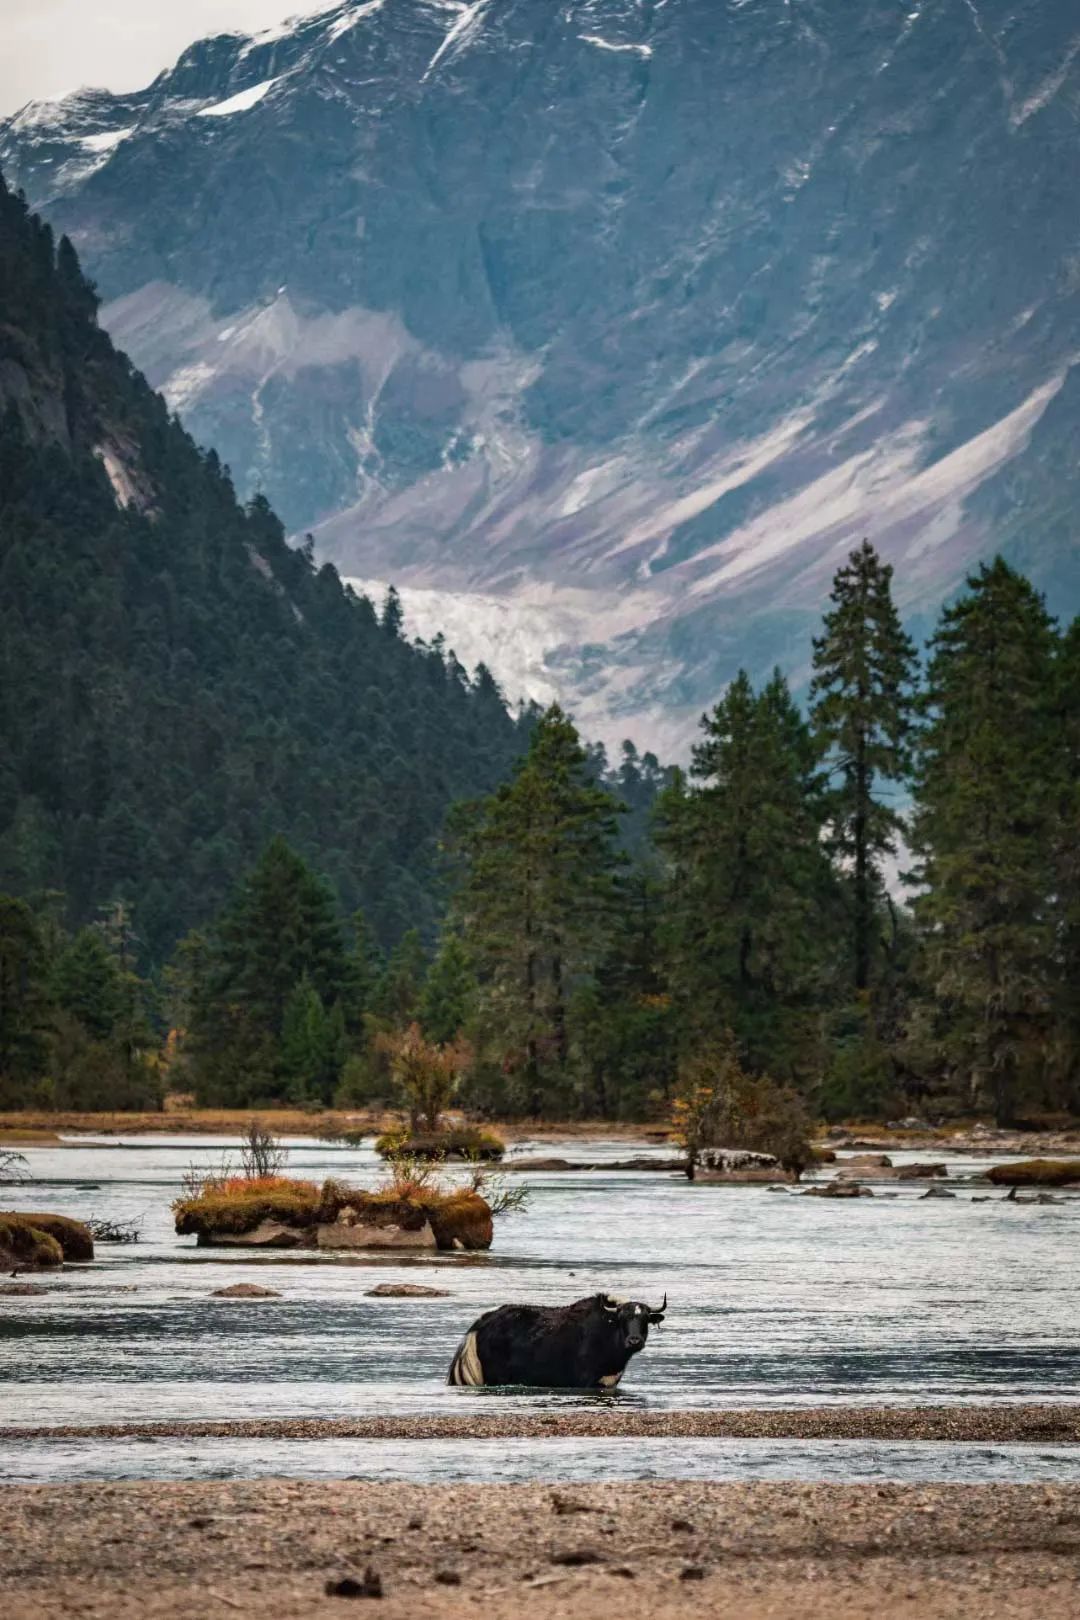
(582, 1346)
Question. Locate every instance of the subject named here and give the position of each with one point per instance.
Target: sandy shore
(662, 1550)
(30, 1129)
(1058, 1424)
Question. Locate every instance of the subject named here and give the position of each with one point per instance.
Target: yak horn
(662, 1309)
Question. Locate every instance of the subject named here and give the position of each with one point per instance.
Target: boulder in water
(838, 1189)
(406, 1291)
(245, 1291)
(75, 1240)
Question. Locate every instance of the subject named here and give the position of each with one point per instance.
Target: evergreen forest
(250, 835)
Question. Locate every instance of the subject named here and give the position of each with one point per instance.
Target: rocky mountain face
(178, 684)
(620, 319)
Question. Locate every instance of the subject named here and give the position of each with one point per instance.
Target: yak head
(630, 1320)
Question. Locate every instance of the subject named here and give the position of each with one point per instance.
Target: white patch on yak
(467, 1369)
(609, 1380)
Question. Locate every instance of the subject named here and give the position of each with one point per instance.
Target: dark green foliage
(752, 891)
(24, 1001)
(987, 797)
(87, 983)
(448, 1002)
(1065, 860)
(396, 996)
(535, 906)
(863, 702)
(625, 1016)
(267, 992)
(75, 1028)
(177, 684)
(179, 689)
(363, 970)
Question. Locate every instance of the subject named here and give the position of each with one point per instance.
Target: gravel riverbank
(1058, 1423)
(284, 1548)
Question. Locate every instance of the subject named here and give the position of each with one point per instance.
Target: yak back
(567, 1346)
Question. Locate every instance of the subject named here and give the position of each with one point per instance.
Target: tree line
(874, 902)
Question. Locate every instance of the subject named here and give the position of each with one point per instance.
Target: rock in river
(245, 1291)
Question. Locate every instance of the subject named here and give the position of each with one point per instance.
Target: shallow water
(773, 1300)
(508, 1462)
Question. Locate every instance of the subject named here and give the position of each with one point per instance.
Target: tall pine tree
(863, 695)
(983, 830)
(750, 884)
(539, 882)
(1066, 870)
(277, 950)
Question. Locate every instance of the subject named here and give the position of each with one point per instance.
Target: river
(773, 1299)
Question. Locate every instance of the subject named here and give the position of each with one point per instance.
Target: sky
(48, 47)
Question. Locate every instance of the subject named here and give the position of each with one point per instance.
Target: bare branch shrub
(13, 1166)
(261, 1153)
(105, 1231)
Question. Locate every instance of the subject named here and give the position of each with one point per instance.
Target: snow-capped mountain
(617, 321)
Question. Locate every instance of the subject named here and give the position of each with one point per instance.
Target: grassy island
(292, 1213)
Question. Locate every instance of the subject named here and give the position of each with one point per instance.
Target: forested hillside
(177, 684)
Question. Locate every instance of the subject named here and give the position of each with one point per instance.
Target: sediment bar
(660, 1550)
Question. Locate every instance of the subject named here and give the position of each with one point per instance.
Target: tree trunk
(862, 870)
(558, 1010)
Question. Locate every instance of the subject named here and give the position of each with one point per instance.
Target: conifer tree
(280, 925)
(393, 615)
(449, 996)
(863, 700)
(87, 982)
(313, 1045)
(625, 1016)
(535, 905)
(277, 945)
(363, 971)
(983, 830)
(24, 1000)
(397, 995)
(750, 883)
(1066, 869)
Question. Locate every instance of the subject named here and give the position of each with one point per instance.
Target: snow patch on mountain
(287, 27)
(467, 24)
(1043, 95)
(106, 141)
(349, 18)
(531, 642)
(608, 45)
(241, 102)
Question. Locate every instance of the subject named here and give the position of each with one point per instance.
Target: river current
(773, 1299)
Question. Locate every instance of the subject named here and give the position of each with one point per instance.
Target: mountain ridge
(178, 684)
(651, 308)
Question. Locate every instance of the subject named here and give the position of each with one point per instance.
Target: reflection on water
(773, 1299)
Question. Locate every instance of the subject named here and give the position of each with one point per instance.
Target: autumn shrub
(426, 1074)
(410, 1193)
(238, 1204)
(718, 1104)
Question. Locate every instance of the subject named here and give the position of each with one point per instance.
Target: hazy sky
(48, 47)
